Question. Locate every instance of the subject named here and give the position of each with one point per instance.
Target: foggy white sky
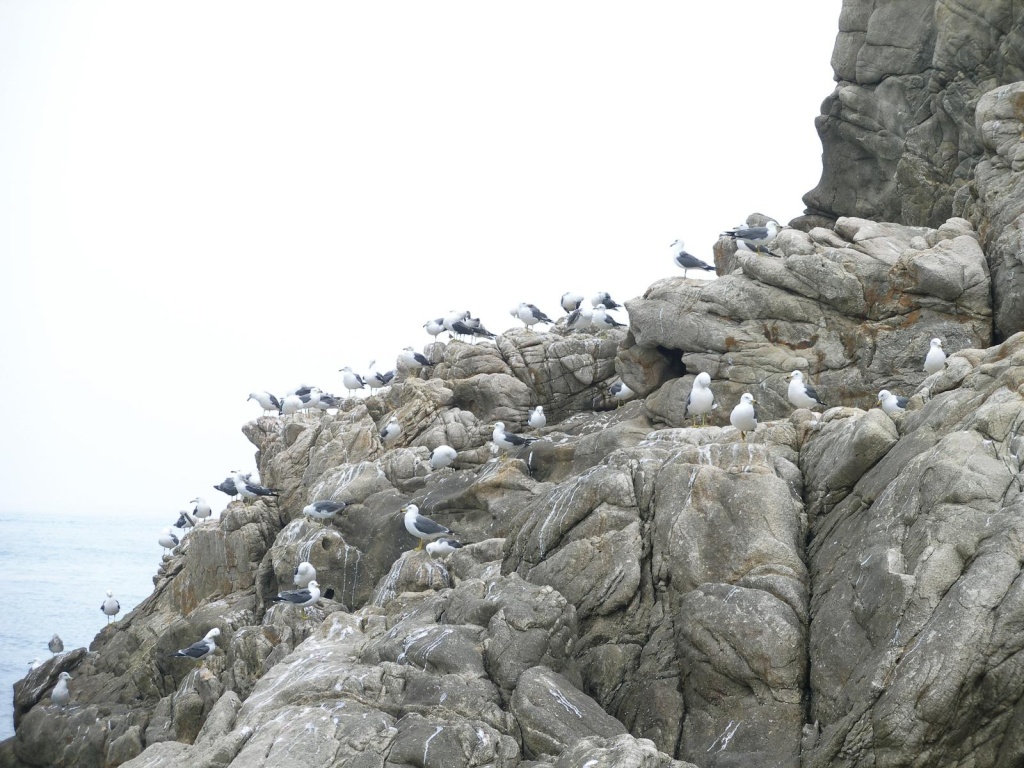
(201, 199)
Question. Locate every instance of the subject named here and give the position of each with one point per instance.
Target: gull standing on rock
(442, 456)
(56, 645)
(442, 547)
(758, 237)
(323, 510)
(891, 403)
(529, 314)
(619, 392)
(537, 418)
(935, 360)
(304, 573)
(201, 509)
(800, 393)
(266, 401)
(110, 606)
(201, 648)
(601, 320)
(571, 301)
(352, 381)
(391, 431)
(743, 416)
(300, 597)
(423, 528)
(580, 319)
(686, 260)
(605, 299)
(60, 695)
(702, 400)
(167, 539)
(509, 440)
(410, 358)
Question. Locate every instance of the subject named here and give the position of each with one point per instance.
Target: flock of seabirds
(438, 540)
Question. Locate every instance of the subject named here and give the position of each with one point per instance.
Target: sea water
(55, 570)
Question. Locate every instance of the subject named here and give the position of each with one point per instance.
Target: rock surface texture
(832, 589)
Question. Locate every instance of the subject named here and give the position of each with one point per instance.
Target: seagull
(529, 314)
(110, 606)
(619, 392)
(185, 520)
(801, 394)
(201, 509)
(309, 400)
(509, 440)
(36, 663)
(290, 404)
(442, 547)
(686, 260)
(250, 490)
(602, 320)
(56, 645)
(391, 431)
(537, 418)
(410, 358)
(423, 528)
(571, 301)
(266, 401)
(435, 327)
(167, 539)
(935, 360)
(329, 401)
(702, 400)
(352, 381)
(602, 297)
(891, 403)
(743, 416)
(227, 486)
(304, 573)
(201, 648)
(580, 318)
(442, 456)
(323, 510)
(300, 597)
(60, 695)
(755, 236)
(471, 326)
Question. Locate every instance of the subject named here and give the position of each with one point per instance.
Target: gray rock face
(993, 202)
(897, 132)
(854, 309)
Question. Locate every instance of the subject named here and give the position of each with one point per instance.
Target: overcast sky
(202, 199)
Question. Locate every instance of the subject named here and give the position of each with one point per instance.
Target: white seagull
(60, 695)
(891, 403)
(304, 573)
(537, 418)
(743, 416)
(529, 314)
(619, 392)
(300, 597)
(601, 320)
(442, 547)
(603, 297)
(935, 360)
(391, 431)
(580, 319)
(435, 327)
(352, 381)
(686, 260)
(323, 510)
(701, 400)
(442, 456)
(201, 648)
(509, 440)
(167, 539)
(800, 393)
(423, 528)
(201, 509)
(266, 401)
(110, 606)
(410, 358)
(571, 301)
(758, 237)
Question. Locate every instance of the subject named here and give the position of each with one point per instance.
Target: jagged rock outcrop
(853, 308)
(898, 134)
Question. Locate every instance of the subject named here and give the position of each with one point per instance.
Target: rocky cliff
(841, 588)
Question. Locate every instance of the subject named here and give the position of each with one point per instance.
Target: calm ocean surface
(55, 571)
